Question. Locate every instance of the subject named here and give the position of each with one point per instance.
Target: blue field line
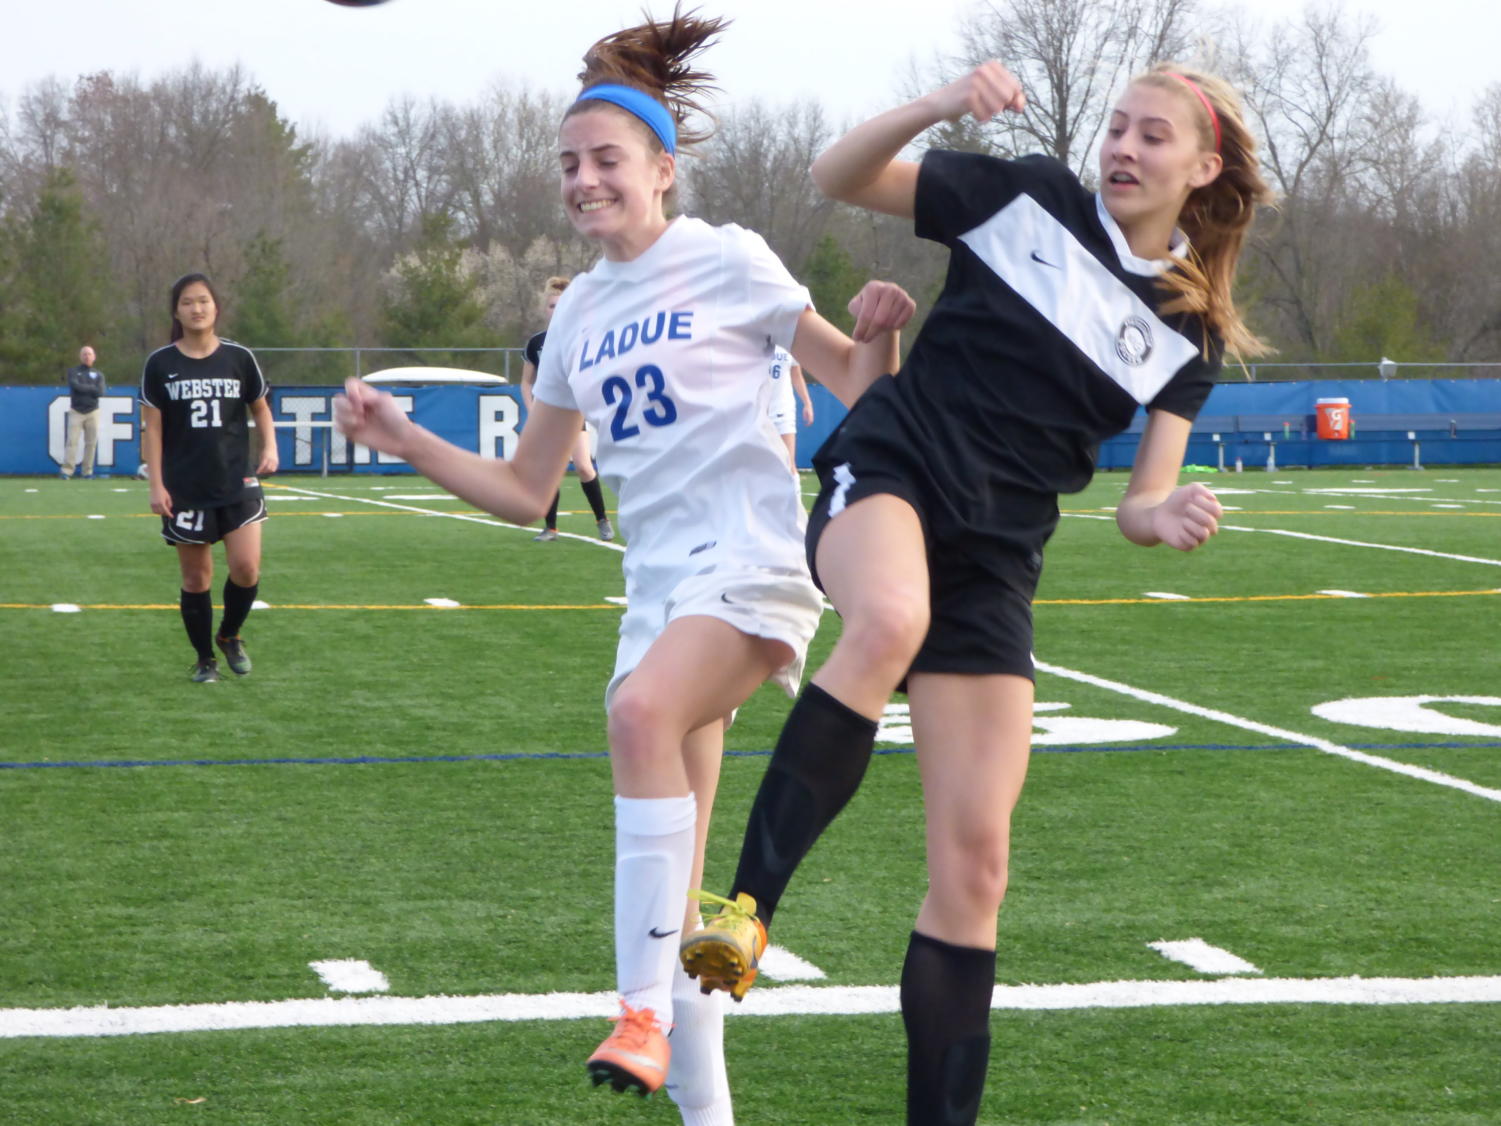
(520, 756)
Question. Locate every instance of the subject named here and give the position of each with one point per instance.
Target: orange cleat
(634, 1057)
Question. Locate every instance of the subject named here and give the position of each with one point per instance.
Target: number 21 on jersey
(205, 414)
(656, 408)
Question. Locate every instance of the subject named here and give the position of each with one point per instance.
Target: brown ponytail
(1217, 217)
(655, 58)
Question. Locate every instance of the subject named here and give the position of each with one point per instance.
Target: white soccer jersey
(783, 407)
(667, 356)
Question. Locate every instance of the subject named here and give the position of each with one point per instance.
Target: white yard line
(1281, 733)
(787, 1000)
(351, 975)
(492, 521)
(1200, 955)
(1363, 543)
(1334, 540)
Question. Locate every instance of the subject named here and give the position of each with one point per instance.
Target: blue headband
(643, 106)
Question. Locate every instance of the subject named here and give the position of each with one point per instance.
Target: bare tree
(1071, 56)
(754, 172)
(1338, 148)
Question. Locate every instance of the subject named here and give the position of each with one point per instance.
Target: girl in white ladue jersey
(664, 348)
(787, 387)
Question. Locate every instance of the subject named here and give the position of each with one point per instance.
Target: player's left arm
(800, 386)
(848, 365)
(1156, 509)
(265, 428)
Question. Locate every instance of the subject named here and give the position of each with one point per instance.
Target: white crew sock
(696, 1077)
(654, 840)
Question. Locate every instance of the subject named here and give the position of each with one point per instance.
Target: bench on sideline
(1297, 433)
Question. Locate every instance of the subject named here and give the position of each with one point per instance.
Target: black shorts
(979, 592)
(210, 525)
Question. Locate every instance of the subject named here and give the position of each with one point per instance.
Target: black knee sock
(237, 603)
(595, 497)
(946, 994)
(552, 511)
(815, 770)
(198, 616)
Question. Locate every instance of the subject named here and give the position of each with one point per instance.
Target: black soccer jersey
(533, 349)
(205, 406)
(1044, 340)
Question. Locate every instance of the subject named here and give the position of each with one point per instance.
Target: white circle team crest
(1133, 343)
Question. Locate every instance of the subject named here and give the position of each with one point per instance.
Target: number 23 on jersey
(653, 405)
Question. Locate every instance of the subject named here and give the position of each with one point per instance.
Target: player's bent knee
(889, 633)
(640, 727)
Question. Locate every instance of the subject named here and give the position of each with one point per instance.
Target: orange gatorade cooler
(1333, 417)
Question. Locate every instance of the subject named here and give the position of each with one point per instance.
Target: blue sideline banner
(489, 419)
(33, 423)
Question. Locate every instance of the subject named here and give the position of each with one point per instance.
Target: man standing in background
(85, 385)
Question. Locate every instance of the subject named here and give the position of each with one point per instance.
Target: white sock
(654, 841)
(696, 1077)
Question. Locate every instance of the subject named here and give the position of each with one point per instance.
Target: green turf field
(424, 788)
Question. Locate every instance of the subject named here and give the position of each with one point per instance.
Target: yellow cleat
(725, 952)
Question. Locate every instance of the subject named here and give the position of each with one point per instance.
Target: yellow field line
(613, 606)
(1240, 512)
(1262, 598)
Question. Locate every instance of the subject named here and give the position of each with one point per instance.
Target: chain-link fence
(1383, 369)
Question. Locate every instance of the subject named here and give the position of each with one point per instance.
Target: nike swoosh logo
(725, 598)
(661, 934)
(1039, 258)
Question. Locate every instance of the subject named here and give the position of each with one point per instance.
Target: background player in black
(197, 397)
(1062, 311)
(583, 461)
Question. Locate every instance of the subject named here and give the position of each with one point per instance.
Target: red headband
(1214, 118)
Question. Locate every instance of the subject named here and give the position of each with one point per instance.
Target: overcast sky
(333, 69)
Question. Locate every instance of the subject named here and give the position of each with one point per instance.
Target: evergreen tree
(56, 287)
(1382, 319)
(434, 300)
(262, 316)
(832, 279)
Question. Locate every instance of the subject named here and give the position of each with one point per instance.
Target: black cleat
(234, 655)
(206, 672)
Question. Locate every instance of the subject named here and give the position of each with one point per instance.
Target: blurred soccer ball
(142, 472)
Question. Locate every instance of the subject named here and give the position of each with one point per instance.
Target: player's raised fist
(879, 307)
(983, 93)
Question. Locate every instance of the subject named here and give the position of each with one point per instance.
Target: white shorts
(782, 410)
(758, 601)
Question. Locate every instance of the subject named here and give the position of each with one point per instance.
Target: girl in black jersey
(1063, 310)
(583, 460)
(198, 395)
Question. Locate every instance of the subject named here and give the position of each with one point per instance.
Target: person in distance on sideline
(86, 384)
(198, 396)
(583, 461)
(1062, 312)
(663, 346)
